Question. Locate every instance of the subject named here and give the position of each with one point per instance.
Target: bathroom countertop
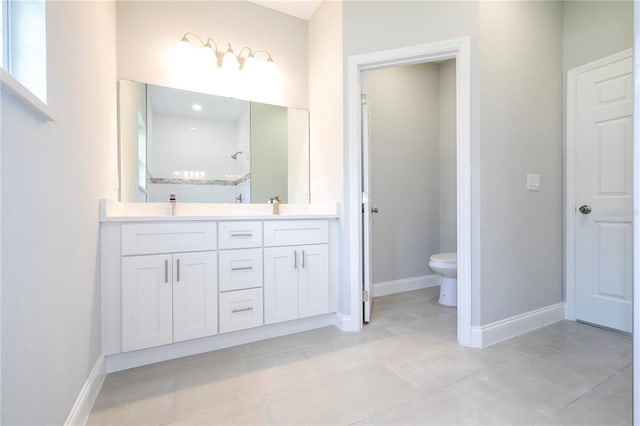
(113, 211)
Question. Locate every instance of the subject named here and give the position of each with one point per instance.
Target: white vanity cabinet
(183, 286)
(168, 297)
(296, 277)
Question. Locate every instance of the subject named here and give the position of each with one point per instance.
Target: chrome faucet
(172, 204)
(239, 198)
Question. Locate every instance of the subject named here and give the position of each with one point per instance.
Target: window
(24, 53)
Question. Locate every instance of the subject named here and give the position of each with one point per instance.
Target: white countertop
(113, 211)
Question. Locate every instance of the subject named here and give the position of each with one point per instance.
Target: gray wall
(407, 154)
(595, 29)
(521, 97)
(405, 182)
(53, 174)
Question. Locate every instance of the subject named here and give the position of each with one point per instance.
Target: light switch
(533, 182)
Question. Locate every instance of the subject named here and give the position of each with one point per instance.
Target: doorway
(360, 291)
(599, 210)
(409, 176)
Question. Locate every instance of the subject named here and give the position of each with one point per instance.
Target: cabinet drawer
(240, 309)
(295, 232)
(150, 238)
(235, 235)
(240, 269)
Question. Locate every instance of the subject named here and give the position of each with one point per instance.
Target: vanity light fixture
(245, 60)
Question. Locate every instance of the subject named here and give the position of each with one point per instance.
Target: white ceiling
(303, 9)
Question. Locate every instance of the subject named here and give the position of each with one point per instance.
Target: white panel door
(280, 284)
(195, 295)
(313, 280)
(604, 247)
(146, 302)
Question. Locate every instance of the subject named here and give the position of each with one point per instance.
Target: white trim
(460, 49)
(570, 171)
(347, 323)
(502, 330)
(14, 88)
(636, 215)
(126, 360)
(406, 284)
(87, 397)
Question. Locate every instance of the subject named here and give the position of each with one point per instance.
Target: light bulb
(249, 65)
(271, 67)
(184, 47)
(230, 61)
(208, 57)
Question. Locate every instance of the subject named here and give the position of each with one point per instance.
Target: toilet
(446, 265)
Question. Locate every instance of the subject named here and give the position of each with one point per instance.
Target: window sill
(14, 88)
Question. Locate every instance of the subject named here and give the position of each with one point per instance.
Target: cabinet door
(313, 281)
(146, 302)
(195, 295)
(280, 284)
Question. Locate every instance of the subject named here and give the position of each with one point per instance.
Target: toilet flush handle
(374, 210)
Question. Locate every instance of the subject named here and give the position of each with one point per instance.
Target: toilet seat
(445, 259)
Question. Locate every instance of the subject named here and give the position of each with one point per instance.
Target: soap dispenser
(275, 203)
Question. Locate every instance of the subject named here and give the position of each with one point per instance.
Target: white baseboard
(84, 403)
(126, 360)
(347, 322)
(490, 334)
(406, 284)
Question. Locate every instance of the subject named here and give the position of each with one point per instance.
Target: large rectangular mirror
(209, 149)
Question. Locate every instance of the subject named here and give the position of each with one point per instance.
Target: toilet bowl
(446, 265)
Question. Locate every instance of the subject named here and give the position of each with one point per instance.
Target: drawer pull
(166, 271)
(244, 268)
(248, 308)
(302, 259)
(178, 277)
(295, 259)
(249, 234)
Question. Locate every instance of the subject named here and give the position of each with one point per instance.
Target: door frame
(460, 49)
(570, 171)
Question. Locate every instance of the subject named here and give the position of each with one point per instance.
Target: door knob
(374, 210)
(585, 209)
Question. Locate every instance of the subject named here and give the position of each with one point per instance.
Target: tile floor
(404, 368)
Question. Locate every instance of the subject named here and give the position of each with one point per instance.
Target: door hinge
(365, 296)
(364, 98)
